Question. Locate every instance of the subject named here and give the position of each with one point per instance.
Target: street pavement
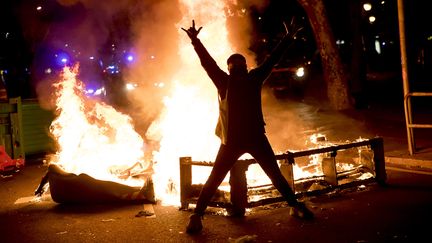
(399, 211)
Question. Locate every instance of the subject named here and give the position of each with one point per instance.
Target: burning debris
(138, 170)
(71, 188)
(100, 156)
(92, 137)
(97, 144)
(366, 165)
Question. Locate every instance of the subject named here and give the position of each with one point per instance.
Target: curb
(424, 165)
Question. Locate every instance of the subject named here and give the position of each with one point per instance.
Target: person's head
(236, 63)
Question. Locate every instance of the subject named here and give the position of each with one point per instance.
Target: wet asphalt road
(398, 212)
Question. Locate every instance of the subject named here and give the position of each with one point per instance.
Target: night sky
(29, 35)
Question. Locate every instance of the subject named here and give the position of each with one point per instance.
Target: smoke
(156, 42)
(87, 28)
(80, 28)
(156, 46)
(241, 27)
(87, 24)
(288, 123)
(151, 30)
(286, 127)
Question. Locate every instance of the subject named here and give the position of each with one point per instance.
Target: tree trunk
(335, 75)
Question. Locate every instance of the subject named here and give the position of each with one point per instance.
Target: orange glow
(92, 137)
(187, 123)
(95, 139)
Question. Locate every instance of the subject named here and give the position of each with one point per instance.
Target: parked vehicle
(289, 78)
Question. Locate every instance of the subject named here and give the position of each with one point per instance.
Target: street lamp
(367, 7)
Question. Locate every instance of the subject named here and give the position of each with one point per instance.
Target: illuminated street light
(39, 8)
(377, 46)
(300, 72)
(372, 19)
(367, 6)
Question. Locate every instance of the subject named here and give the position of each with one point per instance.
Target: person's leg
(225, 159)
(265, 157)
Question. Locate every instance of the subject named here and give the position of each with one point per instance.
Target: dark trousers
(262, 152)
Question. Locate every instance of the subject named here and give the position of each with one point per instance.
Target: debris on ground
(243, 239)
(144, 213)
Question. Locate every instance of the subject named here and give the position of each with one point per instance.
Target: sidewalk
(385, 117)
(397, 150)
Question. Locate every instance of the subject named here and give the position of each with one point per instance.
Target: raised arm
(266, 67)
(209, 64)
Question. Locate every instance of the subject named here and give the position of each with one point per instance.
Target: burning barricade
(100, 156)
(364, 163)
(93, 138)
(98, 145)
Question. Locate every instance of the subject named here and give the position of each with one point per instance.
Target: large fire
(93, 138)
(96, 139)
(186, 126)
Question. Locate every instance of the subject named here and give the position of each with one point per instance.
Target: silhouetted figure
(241, 125)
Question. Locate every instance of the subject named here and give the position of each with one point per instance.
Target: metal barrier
(11, 136)
(374, 164)
(409, 119)
(406, 89)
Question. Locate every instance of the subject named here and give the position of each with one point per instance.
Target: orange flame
(92, 137)
(186, 126)
(95, 139)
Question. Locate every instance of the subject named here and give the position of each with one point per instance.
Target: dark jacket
(240, 113)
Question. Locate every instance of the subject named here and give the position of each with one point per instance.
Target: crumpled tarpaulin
(71, 188)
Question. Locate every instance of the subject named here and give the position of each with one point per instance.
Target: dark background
(30, 39)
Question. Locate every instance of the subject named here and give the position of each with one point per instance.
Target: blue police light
(112, 69)
(62, 58)
(130, 58)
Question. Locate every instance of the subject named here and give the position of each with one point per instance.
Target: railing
(406, 89)
(409, 119)
(375, 164)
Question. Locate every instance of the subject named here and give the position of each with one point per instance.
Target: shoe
(195, 225)
(301, 211)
